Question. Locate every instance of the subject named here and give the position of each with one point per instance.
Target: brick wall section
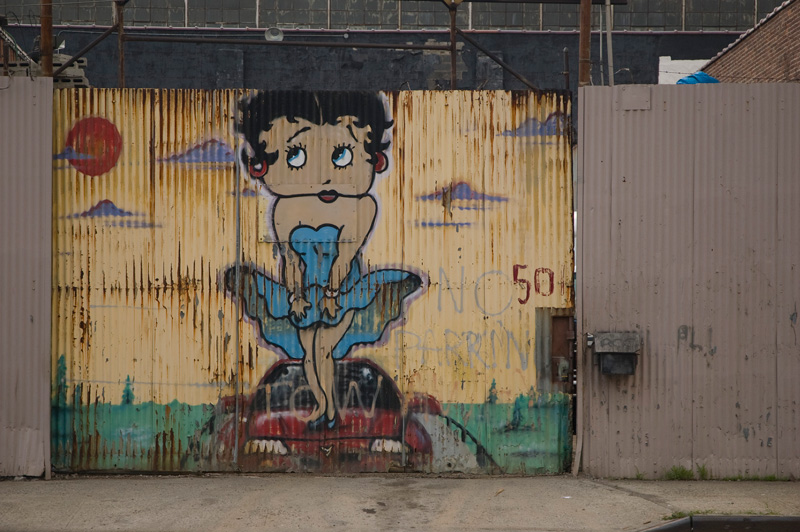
(770, 53)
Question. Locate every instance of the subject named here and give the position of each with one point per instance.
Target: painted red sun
(95, 144)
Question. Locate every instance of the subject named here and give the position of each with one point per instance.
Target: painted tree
(127, 393)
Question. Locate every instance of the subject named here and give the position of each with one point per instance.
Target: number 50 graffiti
(543, 281)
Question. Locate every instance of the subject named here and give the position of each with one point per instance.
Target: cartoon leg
(326, 340)
(308, 339)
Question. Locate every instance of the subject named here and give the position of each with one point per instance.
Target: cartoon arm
(291, 265)
(293, 277)
(351, 239)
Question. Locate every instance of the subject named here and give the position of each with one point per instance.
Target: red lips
(328, 196)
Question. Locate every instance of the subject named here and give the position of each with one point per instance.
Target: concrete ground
(385, 502)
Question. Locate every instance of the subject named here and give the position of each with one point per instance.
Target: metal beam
(497, 60)
(261, 42)
(85, 49)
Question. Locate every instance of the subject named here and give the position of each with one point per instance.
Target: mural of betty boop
(317, 156)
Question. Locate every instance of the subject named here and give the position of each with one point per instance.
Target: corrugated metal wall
(463, 273)
(145, 214)
(686, 204)
(26, 108)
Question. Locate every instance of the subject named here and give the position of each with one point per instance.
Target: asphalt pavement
(278, 502)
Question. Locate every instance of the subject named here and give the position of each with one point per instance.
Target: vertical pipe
(584, 45)
(186, 13)
(566, 68)
(683, 14)
(119, 9)
(541, 17)
(609, 49)
(237, 283)
(602, 78)
(46, 39)
(452, 47)
(6, 57)
(258, 8)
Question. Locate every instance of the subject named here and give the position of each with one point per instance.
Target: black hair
(256, 114)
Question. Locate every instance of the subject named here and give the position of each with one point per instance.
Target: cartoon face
(303, 158)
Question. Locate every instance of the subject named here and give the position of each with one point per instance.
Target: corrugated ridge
(788, 285)
(25, 275)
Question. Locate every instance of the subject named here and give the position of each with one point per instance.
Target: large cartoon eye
(342, 156)
(296, 157)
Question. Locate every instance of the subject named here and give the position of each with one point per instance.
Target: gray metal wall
(688, 218)
(26, 113)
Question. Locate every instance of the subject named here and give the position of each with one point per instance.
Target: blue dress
(376, 297)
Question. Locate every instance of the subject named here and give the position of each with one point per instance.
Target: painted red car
(370, 432)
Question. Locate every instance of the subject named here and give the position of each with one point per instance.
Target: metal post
(584, 46)
(119, 11)
(6, 57)
(46, 39)
(453, 56)
(239, 291)
(610, 51)
(602, 80)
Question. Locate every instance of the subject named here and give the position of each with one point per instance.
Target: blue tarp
(697, 77)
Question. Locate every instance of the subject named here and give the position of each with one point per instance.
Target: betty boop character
(317, 155)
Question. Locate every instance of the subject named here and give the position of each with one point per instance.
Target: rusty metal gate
(319, 282)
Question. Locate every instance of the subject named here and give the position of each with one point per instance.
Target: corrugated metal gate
(687, 217)
(26, 214)
(389, 269)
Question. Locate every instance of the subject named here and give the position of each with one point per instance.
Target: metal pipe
(46, 39)
(84, 50)
(609, 50)
(566, 68)
(318, 44)
(584, 44)
(453, 56)
(239, 303)
(602, 78)
(496, 59)
(119, 10)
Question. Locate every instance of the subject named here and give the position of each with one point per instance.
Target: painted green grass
(126, 437)
(530, 436)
